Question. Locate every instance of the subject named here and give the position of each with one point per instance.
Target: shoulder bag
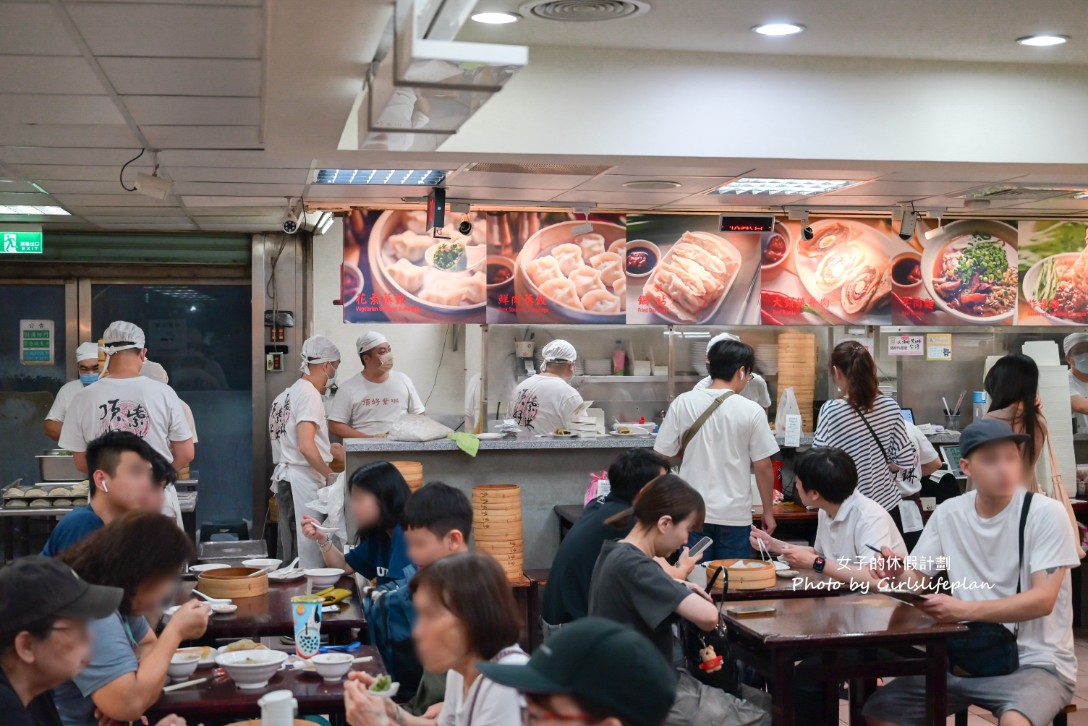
(703, 418)
(989, 649)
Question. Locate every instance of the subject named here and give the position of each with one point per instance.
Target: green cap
(602, 663)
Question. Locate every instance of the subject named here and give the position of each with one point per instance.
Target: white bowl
(271, 564)
(325, 576)
(332, 666)
(251, 669)
(222, 608)
(182, 665)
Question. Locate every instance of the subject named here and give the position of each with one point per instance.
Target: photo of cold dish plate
(693, 278)
(969, 270)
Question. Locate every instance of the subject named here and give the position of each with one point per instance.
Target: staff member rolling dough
(756, 388)
(545, 402)
(368, 403)
(305, 451)
(127, 401)
(87, 360)
(1076, 355)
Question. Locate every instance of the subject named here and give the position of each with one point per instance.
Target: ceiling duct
(423, 85)
(584, 11)
(548, 169)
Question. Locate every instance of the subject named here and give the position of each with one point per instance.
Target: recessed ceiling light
(496, 18)
(778, 29)
(24, 210)
(1043, 41)
(651, 185)
(791, 187)
(381, 177)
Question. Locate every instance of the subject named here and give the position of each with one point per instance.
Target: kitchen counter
(942, 437)
(519, 443)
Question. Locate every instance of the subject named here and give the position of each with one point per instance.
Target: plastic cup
(306, 610)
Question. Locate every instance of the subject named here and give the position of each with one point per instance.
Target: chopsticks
(950, 411)
(186, 684)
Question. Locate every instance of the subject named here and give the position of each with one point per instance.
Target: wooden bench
(1060, 720)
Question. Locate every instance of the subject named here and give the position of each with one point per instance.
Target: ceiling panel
(57, 109)
(49, 36)
(46, 173)
(84, 201)
(649, 170)
(252, 176)
(14, 186)
(237, 190)
(73, 156)
(482, 194)
(217, 207)
(1049, 205)
(730, 200)
(183, 76)
(619, 198)
(234, 158)
(182, 226)
(61, 135)
(903, 189)
(515, 181)
(201, 137)
(32, 198)
(194, 110)
(58, 186)
(129, 211)
(347, 192)
(45, 74)
(688, 185)
(204, 31)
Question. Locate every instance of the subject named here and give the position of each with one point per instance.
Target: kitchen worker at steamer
(368, 404)
(1076, 355)
(126, 401)
(87, 360)
(545, 402)
(305, 451)
(754, 390)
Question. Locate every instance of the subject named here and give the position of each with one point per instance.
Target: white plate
(488, 437)
(207, 658)
(207, 568)
(286, 577)
(781, 566)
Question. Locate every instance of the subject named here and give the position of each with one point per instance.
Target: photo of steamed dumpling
(563, 291)
(591, 244)
(611, 266)
(585, 278)
(410, 246)
(569, 257)
(474, 290)
(543, 269)
(407, 275)
(601, 301)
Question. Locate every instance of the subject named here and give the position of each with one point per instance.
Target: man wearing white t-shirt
(735, 440)
(305, 451)
(127, 401)
(1076, 355)
(755, 390)
(368, 404)
(977, 536)
(545, 402)
(87, 361)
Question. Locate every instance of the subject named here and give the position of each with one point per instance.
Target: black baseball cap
(35, 588)
(987, 431)
(601, 662)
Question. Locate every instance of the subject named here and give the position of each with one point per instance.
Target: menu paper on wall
(793, 430)
(939, 346)
(36, 342)
(906, 345)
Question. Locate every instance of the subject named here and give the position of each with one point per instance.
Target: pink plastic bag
(594, 489)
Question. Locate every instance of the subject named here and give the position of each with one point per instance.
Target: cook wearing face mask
(367, 404)
(87, 365)
(1076, 355)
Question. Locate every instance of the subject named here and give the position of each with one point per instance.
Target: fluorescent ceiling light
(779, 29)
(1043, 41)
(380, 177)
(496, 18)
(792, 187)
(23, 210)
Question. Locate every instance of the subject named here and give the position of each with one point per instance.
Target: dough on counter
(39, 503)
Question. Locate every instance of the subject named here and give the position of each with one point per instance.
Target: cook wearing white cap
(305, 453)
(369, 403)
(545, 402)
(156, 372)
(127, 401)
(87, 364)
(756, 390)
(1076, 355)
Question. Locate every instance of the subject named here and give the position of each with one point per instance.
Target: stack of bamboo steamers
(497, 525)
(412, 471)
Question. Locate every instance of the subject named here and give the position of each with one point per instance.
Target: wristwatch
(818, 565)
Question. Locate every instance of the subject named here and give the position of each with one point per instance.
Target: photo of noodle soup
(970, 270)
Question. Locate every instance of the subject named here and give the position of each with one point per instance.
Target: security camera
(465, 227)
(906, 227)
(290, 223)
(807, 233)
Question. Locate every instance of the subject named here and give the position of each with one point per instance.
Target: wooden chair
(1059, 720)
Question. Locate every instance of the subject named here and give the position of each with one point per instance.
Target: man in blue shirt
(126, 474)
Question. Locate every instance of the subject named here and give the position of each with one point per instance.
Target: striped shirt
(840, 426)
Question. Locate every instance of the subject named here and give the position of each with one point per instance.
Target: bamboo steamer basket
(233, 583)
(497, 525)
(412, 471)
(488, 492)
(749, 578)
(797, 370)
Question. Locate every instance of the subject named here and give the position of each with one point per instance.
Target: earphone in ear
(102, 483)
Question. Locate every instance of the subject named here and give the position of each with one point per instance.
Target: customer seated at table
(629, 587)
(849, 522)
(566, 598)
(125, 474)
(466, 615)
(977, 536)
(583, 676)
(143, 554)
(378, 493)
(437, 524)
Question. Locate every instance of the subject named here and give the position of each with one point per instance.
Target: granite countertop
(941, 437)
(364, 446)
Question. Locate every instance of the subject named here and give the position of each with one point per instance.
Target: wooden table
(803, 627)
(815, 585)
(270, 614)
(783, 513)
(222, 700)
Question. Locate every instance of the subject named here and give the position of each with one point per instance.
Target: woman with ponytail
(867, 425)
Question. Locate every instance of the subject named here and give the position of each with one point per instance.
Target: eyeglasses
(528, 717)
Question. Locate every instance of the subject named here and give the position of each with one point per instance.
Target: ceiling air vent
(580, 11)
(549, 169)
(1023, 192)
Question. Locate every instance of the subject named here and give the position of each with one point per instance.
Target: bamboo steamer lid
(757, 575)
(496, 491)
(232, 583)
(412, 471)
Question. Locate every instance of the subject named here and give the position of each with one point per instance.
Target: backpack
(389, 620)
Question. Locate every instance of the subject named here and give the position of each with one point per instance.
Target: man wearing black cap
(593, 671)
(976, 537)
(44, 609)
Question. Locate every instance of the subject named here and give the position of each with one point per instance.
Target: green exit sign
(21, 242)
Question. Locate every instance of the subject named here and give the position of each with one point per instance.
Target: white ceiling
(244, 98)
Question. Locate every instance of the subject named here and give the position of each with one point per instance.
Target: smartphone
(700, 547)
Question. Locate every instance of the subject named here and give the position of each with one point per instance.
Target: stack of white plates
(767, 358)
(698, 356)
(682, 353)
(598, 367)
(641, 368)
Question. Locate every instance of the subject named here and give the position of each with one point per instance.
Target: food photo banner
(639, 269)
